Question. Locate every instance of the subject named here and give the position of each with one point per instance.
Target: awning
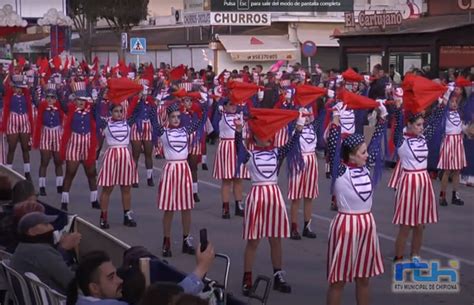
(258, 47)
(319, 33)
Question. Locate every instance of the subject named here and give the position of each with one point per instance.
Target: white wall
(181, 56)
(163, 56)
(224, 61)
(35, 8)
(201, 57)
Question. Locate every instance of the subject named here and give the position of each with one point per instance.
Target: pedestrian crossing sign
(137, 46)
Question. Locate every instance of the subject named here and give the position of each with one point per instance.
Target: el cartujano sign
(374, 19)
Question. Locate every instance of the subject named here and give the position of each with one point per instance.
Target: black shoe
(95, 205)
(28, 176)
(456, 200)
(295, 235)
(150, 182)
(188, 246)
(196, 197)
(104, 224)
(42, 191)
(308, 233)
(64, 206)
(225, 214)
(166, 252)
(443, 202)
(128, 221)
(246, 288)
(59, 189)
(280, 284)
(239, 211)
(333, 206)
(135, 185)
(204, 167)
(159, 157)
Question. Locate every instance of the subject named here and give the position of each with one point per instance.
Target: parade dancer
(225, 161)
(452, 154)
(191, 113)
(265, 211)
(415, 202)
(47, 137)
(17, 120)
(304, 185)
(142, 130)
(79, 144)
(353, 245)
(175, 187)
(118, 167)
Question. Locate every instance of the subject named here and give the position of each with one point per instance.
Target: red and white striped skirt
(118, 168)
(175, 192)
(188, 86)
(305, 183)
(353, 248)
(265, 213)
(415, 201)
(452, 154)
(395, 177)
(78, 147)
(145, 135)
(194, 145)
(18, 123)
(281, 137)
(225, 161)
(50, 138)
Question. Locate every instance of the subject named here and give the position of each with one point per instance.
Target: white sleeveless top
(353, 191)
(263, 166)
(453, 123)
(413, 153)
(308, 139)
(175, 144)
(117, 133)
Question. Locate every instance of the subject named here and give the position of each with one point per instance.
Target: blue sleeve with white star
(241, 150)
(285, 149)
(157, 128)
(398, 134)
(374, 146)
(434, 121)
(332, 143)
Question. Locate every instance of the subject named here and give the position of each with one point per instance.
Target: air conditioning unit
(178, 15)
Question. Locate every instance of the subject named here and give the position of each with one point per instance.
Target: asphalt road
(305, 260)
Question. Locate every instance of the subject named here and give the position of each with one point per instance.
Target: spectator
(161, 293)
(377, 87)
(22, 191)
(97, 278)
(271, 93)
(259, 69)
(395, 77)
(36, 253)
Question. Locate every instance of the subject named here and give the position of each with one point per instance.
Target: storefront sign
(240, 18)
(456, 56)
(197, 19)
(268, 56)
(282, 5)
(380, 20)
(466, 4)
(195, 5)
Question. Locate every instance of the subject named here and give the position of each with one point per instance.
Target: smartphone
(203, 239)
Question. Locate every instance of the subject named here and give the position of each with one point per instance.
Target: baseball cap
(33, 219)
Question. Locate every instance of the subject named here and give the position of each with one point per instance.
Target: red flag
(419, 93)
(66, 64)
(306, 94)
(73, 62)
(39, 60)
(106, 67)
(352, 76)
(240, 92)
(148, 73)
(21, 61)
(177, 73)
(57, 62)
(265, 123)
(123, 68)
(462, 82)
(121, 89)
(356, 101)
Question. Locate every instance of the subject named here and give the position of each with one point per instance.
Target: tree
(84, 14)
(122, 16)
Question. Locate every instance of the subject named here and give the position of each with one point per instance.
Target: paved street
(305, 260)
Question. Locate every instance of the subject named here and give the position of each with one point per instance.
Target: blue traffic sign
(137, 46)
(309, 48)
